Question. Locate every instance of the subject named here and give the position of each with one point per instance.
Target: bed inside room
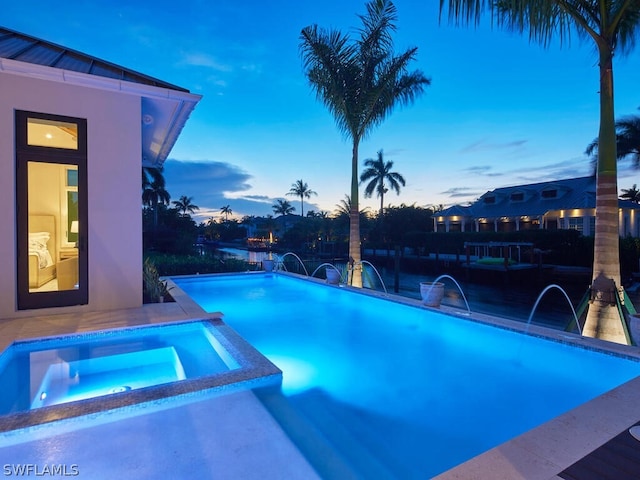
(43, 250)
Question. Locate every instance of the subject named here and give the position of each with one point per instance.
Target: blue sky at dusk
(500, 111)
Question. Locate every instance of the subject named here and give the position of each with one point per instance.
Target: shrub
(167, 264)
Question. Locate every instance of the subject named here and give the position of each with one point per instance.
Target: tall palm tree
(378, 172)
(226, 211)
(614, 26)
(282, 207)
(185, 205)
(360, 82)
(302, 190)
(153, 191)
(632, 194)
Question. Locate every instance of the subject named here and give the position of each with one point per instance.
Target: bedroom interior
(53, 256)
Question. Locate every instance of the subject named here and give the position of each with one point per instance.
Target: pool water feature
(395, 387)
(95, 371)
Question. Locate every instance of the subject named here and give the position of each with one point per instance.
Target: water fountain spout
(459, 288)
(362, 262)
(327, 264)
(280, 262)
(545, 290)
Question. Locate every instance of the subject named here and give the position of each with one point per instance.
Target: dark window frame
(25, 153)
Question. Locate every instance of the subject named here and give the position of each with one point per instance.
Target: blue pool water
(397, 388)
(58, 370)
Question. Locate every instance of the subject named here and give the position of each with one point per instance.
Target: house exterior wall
(114, 174)
(577, 219)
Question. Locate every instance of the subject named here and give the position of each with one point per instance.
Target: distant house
(76, 131)
(562, 204)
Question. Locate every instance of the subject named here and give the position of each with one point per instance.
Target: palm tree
(613, 26)
(185, 205)
(153, 191)
(226, 211)
(210, 225)
(282, 207)
(360, 82)
(344, 207)
(627, 140)
(437, 208)
(302, 190)
(379, 172)
(632, 194)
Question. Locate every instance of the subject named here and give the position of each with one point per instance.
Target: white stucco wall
(114, 179)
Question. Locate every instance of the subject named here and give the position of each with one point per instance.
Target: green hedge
(168, 265)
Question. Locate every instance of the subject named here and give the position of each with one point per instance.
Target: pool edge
(255, 370)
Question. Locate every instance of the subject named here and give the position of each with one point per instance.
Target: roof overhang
(164, 111)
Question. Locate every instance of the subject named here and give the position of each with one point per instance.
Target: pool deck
(233, 436)
(230, 435)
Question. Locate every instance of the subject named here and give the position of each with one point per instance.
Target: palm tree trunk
(603, 319)
(355, 272)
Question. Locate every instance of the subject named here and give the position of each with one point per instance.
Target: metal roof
(533, 199)
(164, 107)
(28, 49)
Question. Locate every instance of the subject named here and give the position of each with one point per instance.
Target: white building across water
(563, 204)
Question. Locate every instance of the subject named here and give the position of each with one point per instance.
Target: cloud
(570, 168)
(483, 170)
(198, 59)
(212, 185)
(484, 146)
(462, 192)
(524, 175)
(260, 198)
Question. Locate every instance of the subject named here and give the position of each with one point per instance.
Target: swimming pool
(397, 388)
(47, 379)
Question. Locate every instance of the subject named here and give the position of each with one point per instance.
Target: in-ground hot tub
(53, 378)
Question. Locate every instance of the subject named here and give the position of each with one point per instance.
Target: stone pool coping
(255, 370)
(544, 451)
